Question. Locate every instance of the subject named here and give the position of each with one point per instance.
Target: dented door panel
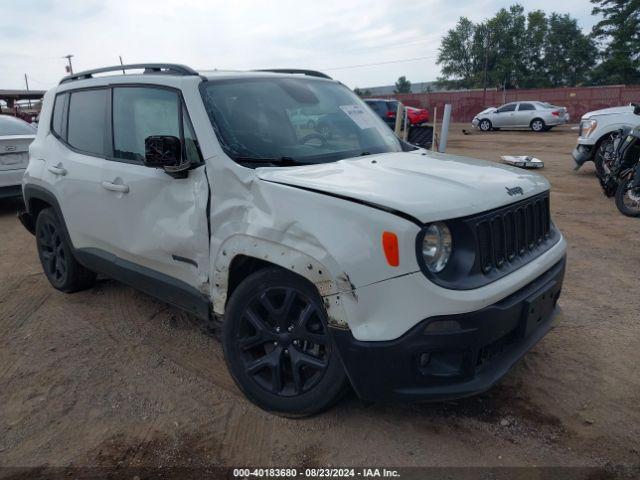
(165, 226)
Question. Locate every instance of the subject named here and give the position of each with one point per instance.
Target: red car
(417, 115)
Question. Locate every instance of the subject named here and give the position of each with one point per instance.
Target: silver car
(15, 137)
(538, 116)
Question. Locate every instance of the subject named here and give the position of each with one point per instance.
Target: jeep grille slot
(507, 234)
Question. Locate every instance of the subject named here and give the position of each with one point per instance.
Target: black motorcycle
(628, 189)
(622, 176)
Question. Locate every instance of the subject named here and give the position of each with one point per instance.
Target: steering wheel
(314, 140)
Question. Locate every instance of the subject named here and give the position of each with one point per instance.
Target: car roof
(14, 125)
(176, 71)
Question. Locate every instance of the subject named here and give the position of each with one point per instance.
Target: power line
(415, 59)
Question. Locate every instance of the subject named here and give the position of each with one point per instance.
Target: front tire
(277, 344)
(537, 125)
(603, 158)
(485, 125)
(628, 198)
(56, 256)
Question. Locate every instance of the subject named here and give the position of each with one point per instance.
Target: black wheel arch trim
(36, 192)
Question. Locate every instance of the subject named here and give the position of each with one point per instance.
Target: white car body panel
(373, 317)
(609, 120)
(323, 222)
(426, 185)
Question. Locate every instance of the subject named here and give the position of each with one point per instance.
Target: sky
(361, 43)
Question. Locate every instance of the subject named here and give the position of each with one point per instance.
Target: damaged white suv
(335, 256)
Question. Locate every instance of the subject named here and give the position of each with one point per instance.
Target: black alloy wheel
(278, 346)
(51, 248)
(56, 255)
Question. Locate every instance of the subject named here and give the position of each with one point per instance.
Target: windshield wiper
(285, 161)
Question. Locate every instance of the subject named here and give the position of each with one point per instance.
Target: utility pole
(68, 57)
(486, 66)
(27, 84)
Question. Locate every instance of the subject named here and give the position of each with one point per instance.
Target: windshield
(293, 120)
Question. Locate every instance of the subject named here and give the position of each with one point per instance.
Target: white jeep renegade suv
(332, 259)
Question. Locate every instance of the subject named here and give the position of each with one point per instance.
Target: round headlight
(436, 247)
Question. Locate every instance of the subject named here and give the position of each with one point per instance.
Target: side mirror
(165, 151)
(162, 151)
(636, 108)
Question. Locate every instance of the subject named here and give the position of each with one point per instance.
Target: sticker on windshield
(359, 115)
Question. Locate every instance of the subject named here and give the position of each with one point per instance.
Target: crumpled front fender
(287, 257)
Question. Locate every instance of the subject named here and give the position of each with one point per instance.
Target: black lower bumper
(453, 356)
(582, 154)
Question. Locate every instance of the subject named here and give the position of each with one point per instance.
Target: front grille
(489, 245)
(510, 233)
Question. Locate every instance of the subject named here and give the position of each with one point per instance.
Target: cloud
(330, 35)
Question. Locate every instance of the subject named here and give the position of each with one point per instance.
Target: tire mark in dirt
(138, 324)
(21, 299)
(249, 442)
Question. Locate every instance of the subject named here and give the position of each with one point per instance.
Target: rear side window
(88, 121)
(526, 106)
(378, 107)
(140, 112)
(58, 120)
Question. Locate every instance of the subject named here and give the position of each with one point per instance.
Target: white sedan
(538, 116)
(15, 137)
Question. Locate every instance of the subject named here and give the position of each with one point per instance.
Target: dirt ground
(112, 377)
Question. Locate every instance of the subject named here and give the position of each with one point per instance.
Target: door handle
(57, 170)
(116, 187)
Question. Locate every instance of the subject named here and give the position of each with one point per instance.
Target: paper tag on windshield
(359, 115)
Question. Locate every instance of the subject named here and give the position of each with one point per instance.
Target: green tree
(506, 33)
(362, 93)
(569, 55)
(520, 50)
(456, 55)
(619, 34)
(403, 85)
(532, 66)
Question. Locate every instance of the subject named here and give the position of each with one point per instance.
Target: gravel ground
(112, 377)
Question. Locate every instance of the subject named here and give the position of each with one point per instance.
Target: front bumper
(582, 154)
(468, 356)
(475, 122)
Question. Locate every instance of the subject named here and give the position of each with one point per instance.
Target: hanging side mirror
(165, 152)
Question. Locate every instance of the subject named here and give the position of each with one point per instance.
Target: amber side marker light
(391, 249)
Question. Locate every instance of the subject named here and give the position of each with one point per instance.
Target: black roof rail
(170, 68)
(311, 73)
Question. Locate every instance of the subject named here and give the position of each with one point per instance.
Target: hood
(487, 110)
(610, 111)
(425, 185)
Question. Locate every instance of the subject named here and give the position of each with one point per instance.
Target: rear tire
(277, 345)
(56, 256)
(628, 199)
(537, 125)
